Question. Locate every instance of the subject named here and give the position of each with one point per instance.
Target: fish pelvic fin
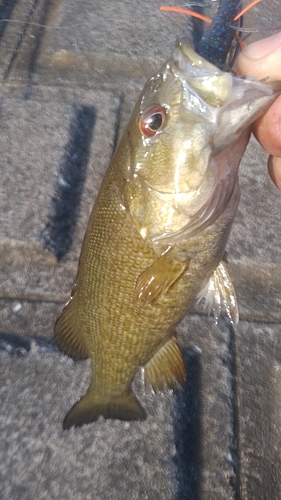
(92, 406)
(219, 295)
(67, 335)
(166, 366)
(158, 277)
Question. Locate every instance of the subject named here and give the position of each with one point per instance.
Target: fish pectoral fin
(219, 294)
(158, 277)
(166, 366)
(92, 406)
(66, 333)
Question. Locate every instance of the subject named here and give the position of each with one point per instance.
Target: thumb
(262, 59)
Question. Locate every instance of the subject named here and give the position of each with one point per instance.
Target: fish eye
(152, 120)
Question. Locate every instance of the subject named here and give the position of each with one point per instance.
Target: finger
(262, 59)
(267, 129)
(274, 169)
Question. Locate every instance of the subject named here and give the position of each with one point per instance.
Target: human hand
(262, 60)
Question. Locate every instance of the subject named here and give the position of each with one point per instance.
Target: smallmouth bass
(157, 234)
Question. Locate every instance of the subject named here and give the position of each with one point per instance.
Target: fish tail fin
(67, 334)
(92, 406)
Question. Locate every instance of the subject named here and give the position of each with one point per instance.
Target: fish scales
(115, 254)
(157, 234)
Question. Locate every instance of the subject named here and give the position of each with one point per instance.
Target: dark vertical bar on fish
(214, 44)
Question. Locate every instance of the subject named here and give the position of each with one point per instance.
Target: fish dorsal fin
(166, 366)
(67, 335)
(219, 294)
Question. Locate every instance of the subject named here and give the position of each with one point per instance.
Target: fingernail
(264, 47)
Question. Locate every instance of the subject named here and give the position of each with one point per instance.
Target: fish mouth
(211, 85)
(214, 112)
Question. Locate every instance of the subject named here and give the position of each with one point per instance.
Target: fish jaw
(181, 180)
(229, 101)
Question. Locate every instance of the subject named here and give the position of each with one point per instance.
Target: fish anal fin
(166, 366)
(67, 334)
(157, 278)
(219, 294)
(92, 406)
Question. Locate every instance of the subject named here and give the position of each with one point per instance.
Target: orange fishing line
(246, 9)
(189, 12)
(204, 18)
(207, 19)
